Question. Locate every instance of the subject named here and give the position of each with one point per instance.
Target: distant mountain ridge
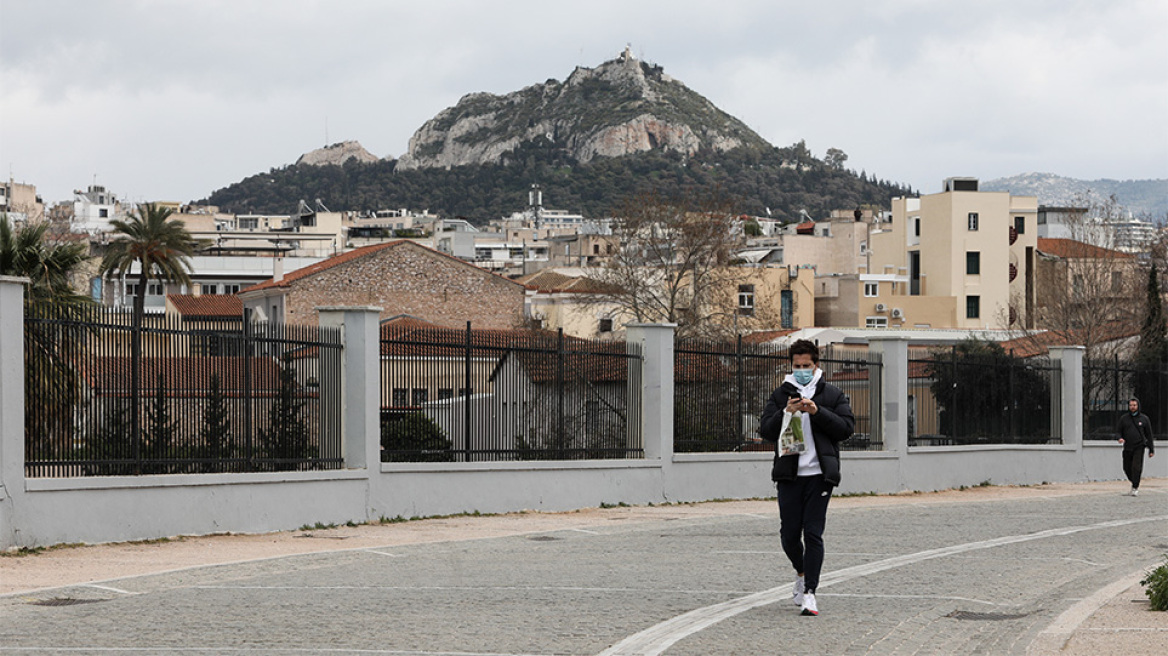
(621, 107)
(1148, 198)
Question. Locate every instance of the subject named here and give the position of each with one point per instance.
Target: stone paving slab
(979, 571)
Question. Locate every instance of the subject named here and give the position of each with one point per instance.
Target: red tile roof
(764, 336)
(1040, 343)
(110, 376)
(553, 282)
(1073, 248)
(207, 306)
(357, 254)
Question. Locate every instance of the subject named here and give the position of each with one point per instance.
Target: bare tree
(1087, 291)
(675, 262)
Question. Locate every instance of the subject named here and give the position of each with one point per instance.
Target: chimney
(278, 268)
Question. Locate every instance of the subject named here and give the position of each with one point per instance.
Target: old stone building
(402, 277)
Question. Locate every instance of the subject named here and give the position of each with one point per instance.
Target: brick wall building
(402, 277)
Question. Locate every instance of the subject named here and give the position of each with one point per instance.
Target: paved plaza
(983, 571)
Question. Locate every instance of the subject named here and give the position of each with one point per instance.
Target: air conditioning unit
(897, 313)
(880, 307)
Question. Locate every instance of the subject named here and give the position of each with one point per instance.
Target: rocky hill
(592, 141)
(621, 107)
(337, 154)
(1146, 198)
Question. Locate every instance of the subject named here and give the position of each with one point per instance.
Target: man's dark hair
(804, 347)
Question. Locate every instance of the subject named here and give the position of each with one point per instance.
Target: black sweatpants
(1133, 465)
(802, 517)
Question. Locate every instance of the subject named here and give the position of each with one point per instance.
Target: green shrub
(1156, 584)
(413, 437)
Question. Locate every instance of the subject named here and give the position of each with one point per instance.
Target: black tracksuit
(1136, 433)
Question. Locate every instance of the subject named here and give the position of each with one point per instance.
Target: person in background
(805, 480)
(1135, 434)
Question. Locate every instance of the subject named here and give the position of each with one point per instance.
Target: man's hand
(809, 406)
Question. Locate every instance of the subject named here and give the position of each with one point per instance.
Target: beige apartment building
(962, 258)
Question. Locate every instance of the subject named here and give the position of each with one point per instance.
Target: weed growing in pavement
(319, 526)
(622, 504)
(856, 494)
(1156, 584)
(985, 483)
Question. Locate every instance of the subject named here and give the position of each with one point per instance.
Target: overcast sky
(173, 99)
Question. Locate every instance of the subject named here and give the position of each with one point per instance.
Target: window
(973, 221)
(131, 289)
(1116, 281)
(972, 263)
(103, 213)
(596, 249)
(401, 396)
(863, 247)
(916, 226)
(249, 224)
(972, 307)
(154, 289)
(1020, 224)
(877, 322)
(209, 290)
(746, 299)
(445, 393)
(230, 289)
(420, 395)
(462, 391)
(605, 325)
(1077, 285)
(871, 289)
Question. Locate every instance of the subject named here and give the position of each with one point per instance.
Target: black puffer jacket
(831, 424)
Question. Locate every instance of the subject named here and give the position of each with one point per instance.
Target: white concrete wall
(38, 512)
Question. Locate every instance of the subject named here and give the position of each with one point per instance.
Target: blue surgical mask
(804, 376)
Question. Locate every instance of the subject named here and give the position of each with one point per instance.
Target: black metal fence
(452, 395)
(959, 397)
(1109, 384)
(103, 397)
(721, 389)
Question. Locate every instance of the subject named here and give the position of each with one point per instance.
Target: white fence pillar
(359, 392)
(894, 395)
(1070, 359)
(11, 405)
(656, 340)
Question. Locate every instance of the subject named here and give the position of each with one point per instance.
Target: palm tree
(27, 252)
(50, 372)
(161, 247)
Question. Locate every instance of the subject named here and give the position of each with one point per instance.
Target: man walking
(806, 473)
(1135, 433)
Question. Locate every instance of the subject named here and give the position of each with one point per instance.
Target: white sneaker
(809, 605)
(798, 595)
(1135, 492)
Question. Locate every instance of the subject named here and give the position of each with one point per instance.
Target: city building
(961, 258)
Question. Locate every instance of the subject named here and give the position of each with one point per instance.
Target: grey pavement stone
(575, 592)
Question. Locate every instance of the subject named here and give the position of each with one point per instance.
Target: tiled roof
(1073, 248)
(357, 254)
(1040, 343)
(551, 281)
(207, 306)
(110, 376)
(764, 336)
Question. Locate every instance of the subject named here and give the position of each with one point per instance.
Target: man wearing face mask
(1135, 434)
(805, 480)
